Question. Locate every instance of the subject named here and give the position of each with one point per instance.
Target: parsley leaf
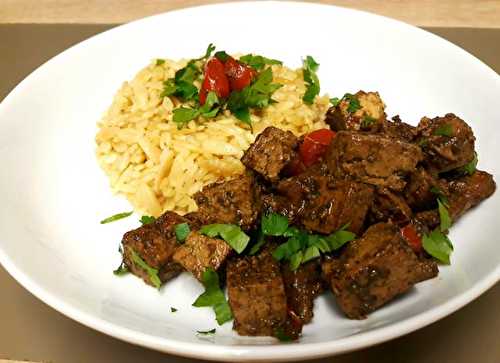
(339, 238)
(147, 220)
(258, 62)
(444, 216)
(334, 101)
(182, 115)
(221, 55)
(354, 104)
(438, 245)
(230, 233)
(281, 335)
(173, 310)
(181, 231)
(309, 68)
(444, 130)
(208, 52)
(121, 270)
(116, 217)
(159, 62)
(206, 332)
(209, 108)
(310, 253)
(274, 224)
(214, 297)
(152, 272)
(261, 240)
(470, 167)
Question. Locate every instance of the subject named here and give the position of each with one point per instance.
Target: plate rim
(279, 352)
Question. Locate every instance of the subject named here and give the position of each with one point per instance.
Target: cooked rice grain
(159, 167)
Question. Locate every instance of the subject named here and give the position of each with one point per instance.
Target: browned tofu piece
(155, 244)
(372, 158)
(399, 129)
(373, 270)
(271, 152)
(363, 111)
(235, 202)
(200, 252)
(327, 204)
(447, 142)
(301, 287)
(256, 294)
(418, 192)
(389, 206)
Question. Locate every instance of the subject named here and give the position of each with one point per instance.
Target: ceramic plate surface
(53, 194)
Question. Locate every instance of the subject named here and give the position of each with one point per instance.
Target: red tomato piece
(315, 145)
(215, 80)
(411, 236)
(239, 74)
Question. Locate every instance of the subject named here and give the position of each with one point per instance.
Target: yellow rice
(159, 167)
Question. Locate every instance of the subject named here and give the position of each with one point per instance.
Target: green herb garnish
(152, 272)
(121, 270)
(280, 334)
(181, 231)
(309, 69)
(173, 310)
(438, 245)
(206, 332)
(470, 167)
(261, 240)
(354, 104)
(367, 122)
(444, 216)
(159, 62)
(444, 130)
(230, 233)
(258, 62)
(214, 297)
(116, 217)
(274, 224)
(147, 219)
(334, 101)
(221, 55)
(183, 115)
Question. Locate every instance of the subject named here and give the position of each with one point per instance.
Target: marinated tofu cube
(200, 252)
(154, 248)
(447, 142)
(327, 204)
(373, 270)
(373, 159)
(418, 192)
(256, 294)
(363, 111)
(271, 152)
(389, 206)
(399, 129)
(302, 286)
(235, 202)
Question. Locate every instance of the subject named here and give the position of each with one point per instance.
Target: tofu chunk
(363, 111)
(373, 159)
(235, 202)
(256, 294)
(200, 252)
(373, 270)
(271, 152)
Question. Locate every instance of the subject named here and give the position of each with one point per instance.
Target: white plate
(52, 193)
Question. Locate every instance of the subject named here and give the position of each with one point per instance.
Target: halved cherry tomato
(215, 80)
(315, 145)
(239, 74)
(411, 236)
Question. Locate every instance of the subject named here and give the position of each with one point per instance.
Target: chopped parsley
(183, 115)
(121, 270)
(116, 217)
(444, 130)
(152, 272)
(438, 245)
(258, 62)
(274, 224)
(280, 334)
(470, 167)
(230, 233)
(444, 216)
(309, 69)
(147, 219)
(159, 62)
(173, 310)
(256, 95)
(214, 297)
(334, 101)
(206, 332)
(354, 104)
(181, 231)
(221, 55)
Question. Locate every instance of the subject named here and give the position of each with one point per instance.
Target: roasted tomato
(215, 80)
(315, 145)
(239, 74)
(411, 236)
